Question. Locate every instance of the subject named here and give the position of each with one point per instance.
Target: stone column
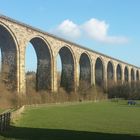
(54, 82)
(129, 74)
(123, 67)
(18, 72)
(115, 74)
(93, 71)
(22, 78)
(105, 75)
(76, 74)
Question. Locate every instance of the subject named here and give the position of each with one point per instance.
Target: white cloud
(116, 40)
(68, 29)
(94, 29)
(98, 30)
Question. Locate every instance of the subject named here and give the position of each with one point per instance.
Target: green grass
(85, 121)
(1, 110)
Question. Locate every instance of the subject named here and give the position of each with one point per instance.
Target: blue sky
(111, 27)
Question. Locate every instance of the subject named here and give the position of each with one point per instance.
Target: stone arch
(44, 62)
(110, 72)
(9, 58)
(137, 75)
(85, 68)
(126, 74)
(132, 75)
(119, 73)
(99, 72)
(68, 64)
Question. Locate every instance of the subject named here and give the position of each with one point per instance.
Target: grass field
(83, 121)
(2, 110)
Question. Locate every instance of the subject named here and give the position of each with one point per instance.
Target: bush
(125, 90)
(10, 98)
(7, 99)
(88, 92)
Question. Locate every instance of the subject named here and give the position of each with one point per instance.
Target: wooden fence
(10, 115)
(5, 121)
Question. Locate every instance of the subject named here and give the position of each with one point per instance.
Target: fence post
(0, 122)
(4, 121)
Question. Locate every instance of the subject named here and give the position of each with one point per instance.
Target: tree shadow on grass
(59, 134)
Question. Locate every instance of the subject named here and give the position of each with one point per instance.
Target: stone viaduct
(78, 62)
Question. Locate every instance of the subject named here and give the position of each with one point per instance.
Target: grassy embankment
(83, 121)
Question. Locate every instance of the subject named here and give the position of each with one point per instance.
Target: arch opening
(59, 70)
(67, 72)
(43, 66)
(8, 59)
(85, 70)
(137, 75)
(132, 75)
(31, 67)
(110, 73)
(126, 77)
(0, 63)
(119, 73)
(99, 74)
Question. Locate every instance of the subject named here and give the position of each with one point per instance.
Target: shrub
(7, 99)
(125, 90)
